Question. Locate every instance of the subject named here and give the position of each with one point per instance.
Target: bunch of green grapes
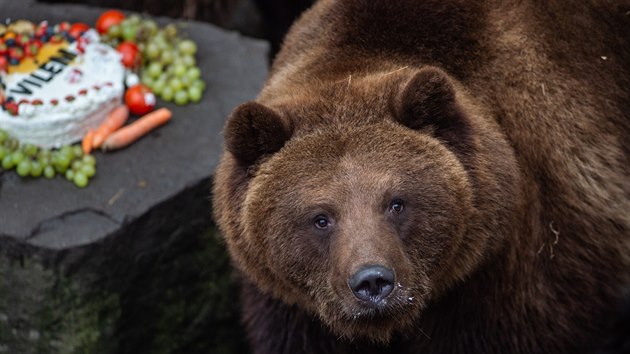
(30, 161)
(169, 66)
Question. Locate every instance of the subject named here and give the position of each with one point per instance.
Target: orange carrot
(132, 132)
(86, 144)
(116, 119)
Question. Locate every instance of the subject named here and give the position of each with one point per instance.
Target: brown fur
(505, 128)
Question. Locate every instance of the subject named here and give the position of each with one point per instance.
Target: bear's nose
(372, 283)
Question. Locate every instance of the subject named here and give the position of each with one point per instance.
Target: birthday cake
(56, 84)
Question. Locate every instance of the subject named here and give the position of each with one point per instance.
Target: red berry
(12, 108)
(31, 50)
(77, 29)
(4, 63)
(57, 38)
(41, 29)
(64, 26)
(3, 49)
(16, 53)
(22, 39)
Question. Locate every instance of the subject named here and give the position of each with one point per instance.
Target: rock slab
(130, 264)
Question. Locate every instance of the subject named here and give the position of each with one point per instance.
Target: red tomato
(107, 19)
(130, 54)
(139, 99)
(77, 29)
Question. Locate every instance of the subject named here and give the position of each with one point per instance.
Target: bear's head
(365, 206)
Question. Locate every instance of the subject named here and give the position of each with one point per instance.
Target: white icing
(49, 125)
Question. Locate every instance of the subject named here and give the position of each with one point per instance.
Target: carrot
(86, 144)
(116, 119)
(132, 132)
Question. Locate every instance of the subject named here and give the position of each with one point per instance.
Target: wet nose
(372, 283)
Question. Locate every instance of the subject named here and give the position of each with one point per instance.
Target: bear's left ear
(254, 130)
(428, 101)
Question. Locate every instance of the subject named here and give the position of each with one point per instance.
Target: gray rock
(55, 214)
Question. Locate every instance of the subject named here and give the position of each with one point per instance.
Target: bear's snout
(372, 283)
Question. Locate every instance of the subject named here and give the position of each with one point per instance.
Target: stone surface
(57, 215)
(132, 263)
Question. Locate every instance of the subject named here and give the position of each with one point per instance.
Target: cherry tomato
(130, 54)
(77, 29)
(107, 19)
(139, 99)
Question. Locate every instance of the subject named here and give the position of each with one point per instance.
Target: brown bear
(437, 176)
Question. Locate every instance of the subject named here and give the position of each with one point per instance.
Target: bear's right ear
(254, 130)
(428, 100)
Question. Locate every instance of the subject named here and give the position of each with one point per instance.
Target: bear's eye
(397, 206)
(321, 222)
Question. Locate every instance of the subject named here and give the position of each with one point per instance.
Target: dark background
(266, 19)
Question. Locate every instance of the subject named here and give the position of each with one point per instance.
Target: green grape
(158, 86)
(187, 47)
(114, 31)
(4, 151)
(162, 45)
(167, 93)
(185, 81)
(167, 57)
(152, 51)
(128, 32)
(134, 19)
(76, 165)
(36, 169)
(12, 143)
(7, 162)
(188, 60)
(199, 84)
(175, 84)
(150, 27)
(69, 174)
(43, 154)
(17, 157)
(194, 93)
(88, 170)
(62, 162)
(24, 168)
(170, 31)
(80, 180)
(179, 70)
(77, 151)
(49, 172)
(66, 150)
(3, 136)
(181, 98)
(147, 80)
(29, 150)
(89, 160)
(154, 70)
(193, 73)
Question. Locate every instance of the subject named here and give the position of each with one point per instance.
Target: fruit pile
(29, 160)
(166, 61)
(23, 39)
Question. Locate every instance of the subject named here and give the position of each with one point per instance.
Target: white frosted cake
(68, 88)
